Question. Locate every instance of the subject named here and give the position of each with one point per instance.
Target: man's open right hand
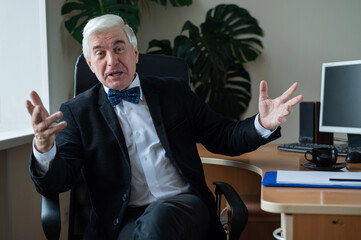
(45, 126)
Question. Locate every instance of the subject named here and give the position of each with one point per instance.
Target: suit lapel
(110, 117)
(152, 97)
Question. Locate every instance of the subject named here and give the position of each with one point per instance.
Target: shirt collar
(135, 83)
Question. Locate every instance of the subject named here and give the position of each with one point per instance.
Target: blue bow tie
(131, 95)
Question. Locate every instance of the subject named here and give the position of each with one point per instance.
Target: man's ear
(89, 64)
(136, 55)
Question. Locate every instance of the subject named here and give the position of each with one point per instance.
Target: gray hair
(106, 21)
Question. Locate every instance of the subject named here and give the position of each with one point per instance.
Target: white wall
(63, 51)
(299, 37)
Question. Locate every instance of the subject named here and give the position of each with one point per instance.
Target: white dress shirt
(153, 175)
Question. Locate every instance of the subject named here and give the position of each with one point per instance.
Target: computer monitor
(341, 100)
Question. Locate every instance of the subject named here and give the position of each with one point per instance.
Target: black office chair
(235, 219)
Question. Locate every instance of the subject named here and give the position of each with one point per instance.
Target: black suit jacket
(94, 143)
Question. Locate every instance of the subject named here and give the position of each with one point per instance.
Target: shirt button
(116, 222)
(125, 197)
(145, 158)
(137, 134)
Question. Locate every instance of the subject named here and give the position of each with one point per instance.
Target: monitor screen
(341, 97)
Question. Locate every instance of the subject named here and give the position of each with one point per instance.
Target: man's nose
(112, 59)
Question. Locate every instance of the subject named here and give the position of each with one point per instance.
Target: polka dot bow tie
(131, 95)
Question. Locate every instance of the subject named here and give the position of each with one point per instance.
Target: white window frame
(15, 137)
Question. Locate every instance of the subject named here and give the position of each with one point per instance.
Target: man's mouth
(115, 74)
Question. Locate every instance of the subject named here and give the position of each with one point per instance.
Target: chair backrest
(149, 64)
(84, 78)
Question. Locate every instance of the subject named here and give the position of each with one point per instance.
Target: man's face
(112, 58)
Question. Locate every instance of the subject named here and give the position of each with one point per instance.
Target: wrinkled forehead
(108, 36)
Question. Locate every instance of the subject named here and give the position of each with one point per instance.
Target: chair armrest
(239, 212)
(50, 217)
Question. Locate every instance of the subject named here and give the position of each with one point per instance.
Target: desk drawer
(326, 227)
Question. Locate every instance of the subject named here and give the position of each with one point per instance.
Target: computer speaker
(309, 120)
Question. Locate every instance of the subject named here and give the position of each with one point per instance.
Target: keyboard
(304, 147)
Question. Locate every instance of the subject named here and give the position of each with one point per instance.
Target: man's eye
(119, 49)
(98, 53)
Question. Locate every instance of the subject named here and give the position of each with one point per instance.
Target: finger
(58, 127)
(49, 122)
(281, 120)
(263, 90)
(55, 128)
(292, 102)
(39, 114)
(36, 99)
(289, 92)
(36, 116)
(29, 106)
(53, 119)
(45, 140)
(287, 111)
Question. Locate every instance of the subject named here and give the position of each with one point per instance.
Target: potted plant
(78, 12)
(215, 52)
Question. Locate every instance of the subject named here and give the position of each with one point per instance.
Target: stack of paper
(319, 178)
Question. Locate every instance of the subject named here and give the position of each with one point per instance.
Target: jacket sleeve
(222, 135)
(65, 168)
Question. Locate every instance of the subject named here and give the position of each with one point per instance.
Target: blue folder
(270, 180)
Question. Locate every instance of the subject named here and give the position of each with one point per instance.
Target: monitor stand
(354, 140)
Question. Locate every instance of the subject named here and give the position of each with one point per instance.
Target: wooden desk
(306, 213)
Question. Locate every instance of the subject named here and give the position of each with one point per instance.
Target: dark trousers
(181, 217)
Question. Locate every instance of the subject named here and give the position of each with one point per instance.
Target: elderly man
(138, 153)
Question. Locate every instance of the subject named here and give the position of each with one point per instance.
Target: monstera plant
(215, 52)
(78, 12)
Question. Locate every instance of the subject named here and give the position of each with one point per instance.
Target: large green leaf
(215, 52)
(238, 24)
(233, 97)
(78, 13)
(175, 3)
(164, 47)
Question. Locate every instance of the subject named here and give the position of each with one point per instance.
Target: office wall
(63, 51)
(23, 205)
(299, 36)
(3, 202)
(20, 204)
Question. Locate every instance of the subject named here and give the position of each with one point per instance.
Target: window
(24, 66)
